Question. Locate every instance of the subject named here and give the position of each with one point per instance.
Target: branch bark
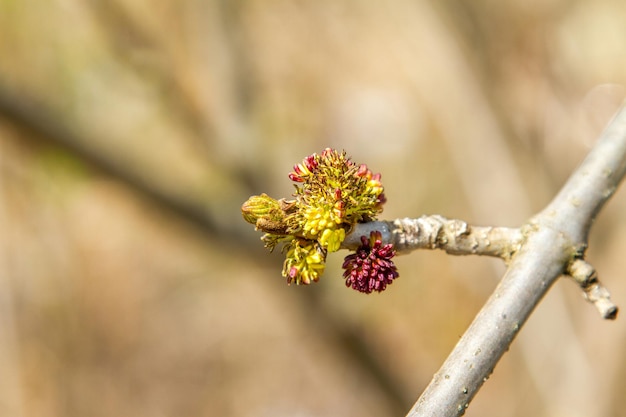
(554, 239)
(456, 237)
(550, 244)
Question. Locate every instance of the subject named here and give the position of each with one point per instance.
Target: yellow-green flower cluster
(323, 224)
(304, 263)
(332, 193)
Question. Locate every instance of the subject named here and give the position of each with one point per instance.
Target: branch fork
(550, 245)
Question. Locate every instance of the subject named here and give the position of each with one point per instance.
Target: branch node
(586, 277)
(582, 272)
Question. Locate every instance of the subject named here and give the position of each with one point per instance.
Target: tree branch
(551, 244)
(554, 240)
(456, 237)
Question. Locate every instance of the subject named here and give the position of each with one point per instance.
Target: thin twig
(456, 237)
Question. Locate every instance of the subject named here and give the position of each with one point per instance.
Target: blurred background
(132, 131)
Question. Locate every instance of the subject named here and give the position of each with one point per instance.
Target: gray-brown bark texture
(554, 243)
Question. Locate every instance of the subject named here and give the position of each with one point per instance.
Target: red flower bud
(370, 268)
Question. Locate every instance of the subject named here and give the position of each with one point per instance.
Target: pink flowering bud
(293, 272)
(339, 209)
(295, 177)
(337, 194)
(310, 162)
(362, 171)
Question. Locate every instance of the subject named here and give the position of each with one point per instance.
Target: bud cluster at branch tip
(332, 194)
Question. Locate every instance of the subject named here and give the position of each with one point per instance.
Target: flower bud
(370, 268)
(259, 206)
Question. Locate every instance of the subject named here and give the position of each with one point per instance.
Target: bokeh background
(131, 132)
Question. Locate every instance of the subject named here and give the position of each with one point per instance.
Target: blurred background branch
(39, 125)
